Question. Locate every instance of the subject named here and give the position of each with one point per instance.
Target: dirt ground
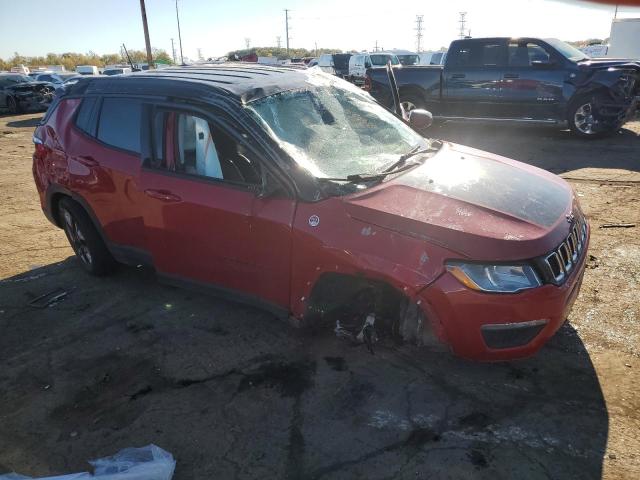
(232, 392)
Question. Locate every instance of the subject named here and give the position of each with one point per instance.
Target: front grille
(562, 260)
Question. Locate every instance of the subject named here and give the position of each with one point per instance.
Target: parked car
(20, 93)
(406, 57)
(116, 71)
(431, 58)
(520, 80)
(296, 191)
(87, 70)
(359, 63)
(56, 79)
(335, 63)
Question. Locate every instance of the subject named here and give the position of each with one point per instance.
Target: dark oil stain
(336, 363)
(290, 379)
(478, 459)
(421, 436)
(475, 420)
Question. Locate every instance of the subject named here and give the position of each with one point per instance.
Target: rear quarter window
(119, 124)
(87, 117)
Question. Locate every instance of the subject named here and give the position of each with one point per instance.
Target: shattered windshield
(335, 130)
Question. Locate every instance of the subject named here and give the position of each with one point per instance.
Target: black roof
(244, 81)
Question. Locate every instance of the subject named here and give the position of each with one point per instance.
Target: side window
(522, 54)
(477, 54)
(119, 124)
(190, 144)
(87, 117)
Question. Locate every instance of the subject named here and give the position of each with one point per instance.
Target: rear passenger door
(204, 218)
(472, 78)
(103, 163)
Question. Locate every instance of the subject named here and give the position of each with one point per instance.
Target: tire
(85, 239)
(12, 105)
(582, 121)
(410, 102)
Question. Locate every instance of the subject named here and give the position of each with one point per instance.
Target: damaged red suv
(297, 191)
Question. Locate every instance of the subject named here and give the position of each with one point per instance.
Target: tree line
(281, 52)
(70, 59)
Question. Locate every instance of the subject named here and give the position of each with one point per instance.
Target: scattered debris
(618, 225)
(366, 333)
(593, 262)
(627, 365)
(612, 456)
(49, 299)
(146, 463)
(47, 387)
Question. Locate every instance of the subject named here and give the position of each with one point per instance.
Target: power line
(462, 22)
(418, 29)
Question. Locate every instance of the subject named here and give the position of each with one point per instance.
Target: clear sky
(36, 27)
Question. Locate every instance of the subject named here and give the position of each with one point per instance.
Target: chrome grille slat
(561, 261)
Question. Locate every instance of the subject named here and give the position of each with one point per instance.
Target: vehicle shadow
(27, 122)
(232, 392)
(546, 147)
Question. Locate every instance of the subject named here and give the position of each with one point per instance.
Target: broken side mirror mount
(420, 120)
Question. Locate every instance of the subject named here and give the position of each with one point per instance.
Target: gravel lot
(234, 393)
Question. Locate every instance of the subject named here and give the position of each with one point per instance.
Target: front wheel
(584, 119)
(84, 239)
(410, 102)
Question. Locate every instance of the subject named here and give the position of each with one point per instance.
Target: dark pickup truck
(520, 80)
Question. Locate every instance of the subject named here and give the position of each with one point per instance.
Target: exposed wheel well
(337, 296)
(54, 206)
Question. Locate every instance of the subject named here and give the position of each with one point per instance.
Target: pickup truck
(518, 80)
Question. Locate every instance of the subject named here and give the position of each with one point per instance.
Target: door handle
(87, 161)
(162, 195)
(458, 75)
(511, 75)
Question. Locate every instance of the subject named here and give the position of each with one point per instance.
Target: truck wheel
(410, 102)
(583, 119)
(84, 239)
(12, 105)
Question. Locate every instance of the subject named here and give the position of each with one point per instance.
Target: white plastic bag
(146, 463)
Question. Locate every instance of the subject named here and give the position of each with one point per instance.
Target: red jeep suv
(297, 191)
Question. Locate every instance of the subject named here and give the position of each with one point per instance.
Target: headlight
(495, 278)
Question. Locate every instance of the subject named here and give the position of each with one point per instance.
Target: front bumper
(494, 327)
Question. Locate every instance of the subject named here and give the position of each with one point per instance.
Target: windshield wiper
(412, 153)
(367, 177)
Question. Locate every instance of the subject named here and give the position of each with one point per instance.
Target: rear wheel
(585, 120)
(84, 238)
(410, 102)
(12, 105)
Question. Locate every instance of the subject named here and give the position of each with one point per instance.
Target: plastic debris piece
(49, 298)
(618, 225)
(146, 463)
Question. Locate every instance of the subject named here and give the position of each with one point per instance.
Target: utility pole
(419, 19)
(147, 42)
(462, 22)
(247, 42)
(173, 50)
(286, 24)
(278, 42)
(179, 35)
(375, 49)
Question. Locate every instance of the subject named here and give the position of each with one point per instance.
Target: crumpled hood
(477, 204)
(609, 62)
(29, 86)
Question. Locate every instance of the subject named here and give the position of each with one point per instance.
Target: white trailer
(624, 41)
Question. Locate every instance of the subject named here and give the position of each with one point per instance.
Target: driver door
(205, 221)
